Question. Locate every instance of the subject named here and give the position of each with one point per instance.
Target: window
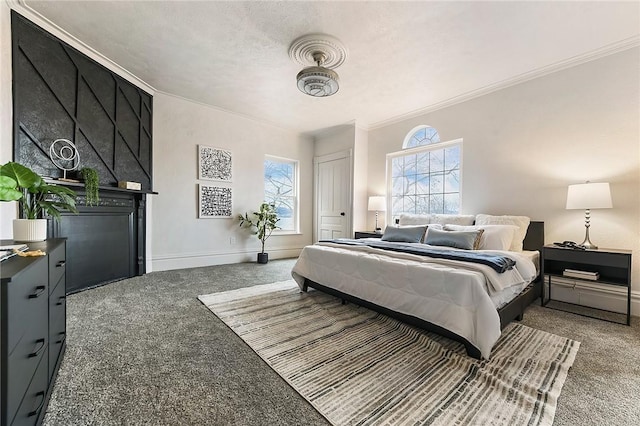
(425, 177)
(281, 190)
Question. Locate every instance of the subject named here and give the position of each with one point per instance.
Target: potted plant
(36, 197)
(91, 184)
(262, 223)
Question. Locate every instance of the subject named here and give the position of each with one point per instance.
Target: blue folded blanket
(497, 262)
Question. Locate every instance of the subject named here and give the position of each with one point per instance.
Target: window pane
(410, 164)
(422, 163)
(397, 166)
(410, 184)
(397, 206)
(437, 160)
(422, 184)
(452, 158)
(452, 181)
(451, 203)
(409, 204)
(432, 135)
(422, 204)
(279, 190)
(398, 186)
(436, 184)
(436, 203)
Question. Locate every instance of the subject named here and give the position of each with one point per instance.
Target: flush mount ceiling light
(323, 53)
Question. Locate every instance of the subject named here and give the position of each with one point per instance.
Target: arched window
(426, 176)
(421, 135)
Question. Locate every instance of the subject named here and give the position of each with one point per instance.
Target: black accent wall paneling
(59, 92)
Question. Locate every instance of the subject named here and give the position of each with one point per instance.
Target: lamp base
(587, 242)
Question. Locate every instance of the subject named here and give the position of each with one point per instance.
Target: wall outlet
(232, 241)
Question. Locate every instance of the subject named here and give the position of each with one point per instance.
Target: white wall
(360, 177)
(525, 144)
(182, 240)
(7, 210)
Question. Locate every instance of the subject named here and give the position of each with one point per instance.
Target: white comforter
(451, 294)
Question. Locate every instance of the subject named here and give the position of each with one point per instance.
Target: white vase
(29, 230)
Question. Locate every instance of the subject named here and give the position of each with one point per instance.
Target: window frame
(296, 189)
(420, 150)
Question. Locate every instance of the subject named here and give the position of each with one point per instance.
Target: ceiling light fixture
(324, 53)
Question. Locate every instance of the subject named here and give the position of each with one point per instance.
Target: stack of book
(583, 275)
(11, 250)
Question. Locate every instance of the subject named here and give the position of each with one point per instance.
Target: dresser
(32, 331)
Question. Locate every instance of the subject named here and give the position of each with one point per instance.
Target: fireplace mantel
(105, 243)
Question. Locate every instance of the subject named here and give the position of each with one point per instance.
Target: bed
(450, 297)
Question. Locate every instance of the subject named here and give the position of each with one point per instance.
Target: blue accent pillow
(467, 240)
(404, 234)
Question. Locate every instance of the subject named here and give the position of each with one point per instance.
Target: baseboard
(197, 260)
(610, 298)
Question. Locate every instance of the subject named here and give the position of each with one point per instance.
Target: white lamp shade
(377, 203)
(589, 196)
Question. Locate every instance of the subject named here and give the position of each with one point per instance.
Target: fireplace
(59, 92)
(105, 243)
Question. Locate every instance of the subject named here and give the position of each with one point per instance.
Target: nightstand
(612, 266)
(367, 234)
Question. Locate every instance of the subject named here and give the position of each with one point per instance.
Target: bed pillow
(494, 237)
(522, 222)
(467, 240)
(414, 219)
(453, 219)
(404, 234)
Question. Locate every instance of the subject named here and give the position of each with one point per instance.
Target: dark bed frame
(514, 310)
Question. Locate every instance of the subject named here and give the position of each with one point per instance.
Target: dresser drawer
(34, 398)
(30, 350)
(57, 264)
(57, 325)
(26, 295)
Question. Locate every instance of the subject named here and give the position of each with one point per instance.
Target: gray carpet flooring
(146, 351)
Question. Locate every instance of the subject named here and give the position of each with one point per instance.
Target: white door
(333, 196)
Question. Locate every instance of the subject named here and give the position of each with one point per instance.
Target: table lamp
(377, 203)
(589, 196)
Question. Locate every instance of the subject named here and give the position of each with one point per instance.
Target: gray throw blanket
(496, 262)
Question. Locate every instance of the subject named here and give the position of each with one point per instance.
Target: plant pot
(263, 258)
(29, 230)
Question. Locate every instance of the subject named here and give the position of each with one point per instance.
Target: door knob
(342, 214)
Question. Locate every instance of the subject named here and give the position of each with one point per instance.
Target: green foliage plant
(91, 184)
(262, 222)
(37, 198)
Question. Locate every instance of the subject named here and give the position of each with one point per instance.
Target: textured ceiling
(403, 56)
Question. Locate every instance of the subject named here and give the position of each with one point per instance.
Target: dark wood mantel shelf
(102, 188)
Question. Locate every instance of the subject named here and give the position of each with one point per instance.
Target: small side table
(367, 234)
(612, 265)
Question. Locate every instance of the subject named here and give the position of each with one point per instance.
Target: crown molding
(21, 7)
(620, 46)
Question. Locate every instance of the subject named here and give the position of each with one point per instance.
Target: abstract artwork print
(214, 163)
(214, 201)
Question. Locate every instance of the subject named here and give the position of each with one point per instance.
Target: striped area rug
(357, 367)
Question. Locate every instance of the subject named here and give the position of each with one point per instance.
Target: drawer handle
(39, 290)
(61, 263)
(37, 352)
(37, 410)
(61, 301)
(62, 338)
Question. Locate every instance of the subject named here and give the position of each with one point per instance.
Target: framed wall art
(214, 201)
(214, 164)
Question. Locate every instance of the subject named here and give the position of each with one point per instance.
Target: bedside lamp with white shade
(589, 196)
(377, 203)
